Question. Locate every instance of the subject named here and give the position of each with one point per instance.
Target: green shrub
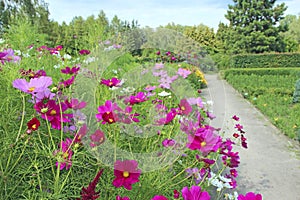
(265, 60)
(262, 71)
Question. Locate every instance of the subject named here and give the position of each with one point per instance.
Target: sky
(152, 13)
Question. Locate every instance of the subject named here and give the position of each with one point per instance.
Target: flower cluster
(183, 123)
(8, 56)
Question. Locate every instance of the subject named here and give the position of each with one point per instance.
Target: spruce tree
(255, 25)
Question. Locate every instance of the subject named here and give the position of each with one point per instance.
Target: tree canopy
(254, 26)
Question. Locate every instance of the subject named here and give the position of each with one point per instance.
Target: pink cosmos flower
(159, 197)
(75, 104)
(106, 112)
(97, 138)
(126, 173)
(196, 101)
(204, 140)
(189, 126)
(65, 154)
(194, 193)
(127, 117)
(250, 196)
(34, 86)
(165, 82)
(9, 56)
(114, 82)
(184, 107)
(183, 72)
(81, 133)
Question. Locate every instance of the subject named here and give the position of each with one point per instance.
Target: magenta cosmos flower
(84, 52)
(204, 140)
(114, 82)
(159, 197)
(74, 70)
(126, 173)
(122, 198)
(106, 112)
(52, 112)
(169, 118)
(194, 193)
(184, 107)
(34, 86)
(250, 196)
(138, 98)
(65, 154)
(97, 138)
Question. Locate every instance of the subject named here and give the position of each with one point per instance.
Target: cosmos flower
(35, 85)
(126, 173)
(194, 193)
(250, 196)
(113, 82)
(183, 72)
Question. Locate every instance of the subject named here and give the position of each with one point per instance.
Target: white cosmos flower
(164, 94)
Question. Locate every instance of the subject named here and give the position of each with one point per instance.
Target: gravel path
(271, 164)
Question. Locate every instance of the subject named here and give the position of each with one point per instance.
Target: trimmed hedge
(262, 71)
(265, 60)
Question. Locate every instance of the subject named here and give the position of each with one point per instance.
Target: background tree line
(255, 26)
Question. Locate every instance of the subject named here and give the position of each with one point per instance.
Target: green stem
(23, 150)
(22, 119)
(176, 175)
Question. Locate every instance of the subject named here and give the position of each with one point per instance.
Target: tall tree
(255, 25)
(292, 36)
(34, 11)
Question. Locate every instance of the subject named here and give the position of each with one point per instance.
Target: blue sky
(152, 12)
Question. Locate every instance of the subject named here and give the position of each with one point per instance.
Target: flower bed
(90, 129)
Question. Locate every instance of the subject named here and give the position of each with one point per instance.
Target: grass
(271, 94)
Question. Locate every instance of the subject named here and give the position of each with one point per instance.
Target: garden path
(271, 164)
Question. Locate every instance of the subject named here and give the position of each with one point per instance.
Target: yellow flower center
(110, 120)
(125, 174)
(31, 89)
(110, 83)
(33, 126)
(182, 108)
(65, 155)
(203, 144)
(53, 112)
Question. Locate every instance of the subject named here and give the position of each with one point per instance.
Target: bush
(262, 71)
(265, 60)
